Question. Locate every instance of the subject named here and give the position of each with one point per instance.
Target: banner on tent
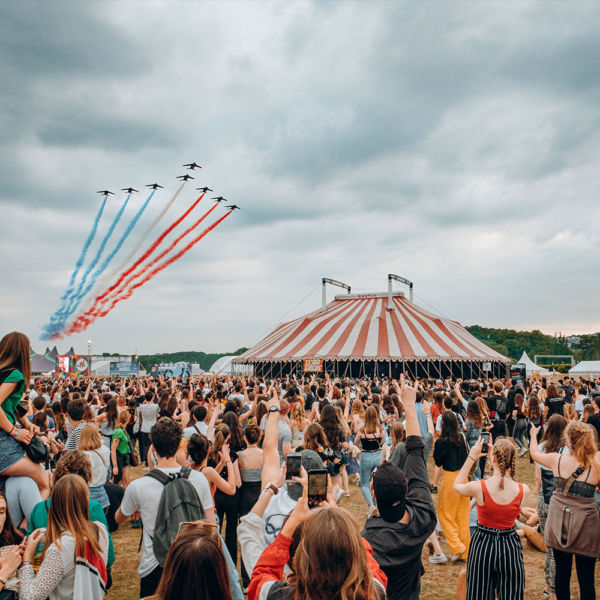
(313, 365)
(486, 366)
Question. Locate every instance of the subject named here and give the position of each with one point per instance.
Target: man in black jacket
(407, 514)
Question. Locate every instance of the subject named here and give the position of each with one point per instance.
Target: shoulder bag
(573, 522)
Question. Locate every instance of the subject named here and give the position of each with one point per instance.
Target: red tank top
(498, 516)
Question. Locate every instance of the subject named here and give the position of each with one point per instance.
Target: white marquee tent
(530, 366)
(586, 368)
(225, 366)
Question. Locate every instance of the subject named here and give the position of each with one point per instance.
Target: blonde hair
(358, 408)
(398, 433)
(506, 459)
(69, 511)
(298, 416)
(331, 538)
(123, 418)
(90, 438)
(583, 444)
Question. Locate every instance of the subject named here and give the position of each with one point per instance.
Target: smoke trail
(86, 246)
(152, 262)
(163, 212)
(82, 324)
(119, 285)
(57, 320)
(82, 293)
(101, 298)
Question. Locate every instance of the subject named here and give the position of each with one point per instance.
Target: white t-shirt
(144, 495)
(438, 425)
(201, 427)
(147, 413)
(277, 510)
(100, 459)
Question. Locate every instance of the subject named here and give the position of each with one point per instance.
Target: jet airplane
(219, 199)
(233, 207)
(105, 192)
(129, 190)
(205, 189)
(184, 177)
(193, 166)
(154, 186)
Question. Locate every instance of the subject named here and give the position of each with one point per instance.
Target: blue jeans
(22, 494)
(368, 462)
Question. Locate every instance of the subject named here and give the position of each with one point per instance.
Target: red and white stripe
(360, 326)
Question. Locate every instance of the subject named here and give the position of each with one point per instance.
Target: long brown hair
(14, 353)
(314, 438)
(331, 539)
(533, 410)
(474, 414)
(9, 535)
(69, 511)
(195, 567)
(553, 436)
(371, 420)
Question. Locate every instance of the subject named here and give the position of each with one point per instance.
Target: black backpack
(179, 502)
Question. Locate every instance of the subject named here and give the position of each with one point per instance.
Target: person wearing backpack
(165, 497)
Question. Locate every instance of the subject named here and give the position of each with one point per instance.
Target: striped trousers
(495, 564)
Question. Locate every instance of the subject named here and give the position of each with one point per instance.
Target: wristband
(3, 580)
(469, 456)
(271, 487)
(25, 563)
(15, 435)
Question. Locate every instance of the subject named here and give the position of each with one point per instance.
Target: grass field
(438, 583)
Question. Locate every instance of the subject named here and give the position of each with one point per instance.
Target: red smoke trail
(152, 262)
(82, 324)
(100, 299)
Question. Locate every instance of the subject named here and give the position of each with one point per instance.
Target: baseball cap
(310, 460)
(390, 486)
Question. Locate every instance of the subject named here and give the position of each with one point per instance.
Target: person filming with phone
(495, 562)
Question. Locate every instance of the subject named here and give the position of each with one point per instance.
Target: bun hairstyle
(198, 448)
(506, 458)
(252, 433)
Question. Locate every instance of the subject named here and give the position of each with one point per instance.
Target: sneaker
(346, 494)
(438, 559)
(338, 495)
(146, 468)
(372, 510)
(455, 557)
(522, 452)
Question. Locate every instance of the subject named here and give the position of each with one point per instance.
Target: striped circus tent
(381, 334)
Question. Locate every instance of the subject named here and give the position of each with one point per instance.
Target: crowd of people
(238, 484)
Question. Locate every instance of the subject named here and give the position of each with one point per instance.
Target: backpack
(501, 404)
(179, 502)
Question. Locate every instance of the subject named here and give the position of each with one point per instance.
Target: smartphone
(293, 462)
(317, 487)
(485, 436)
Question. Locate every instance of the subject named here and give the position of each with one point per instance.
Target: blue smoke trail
(58, 319)
(84, 251)
(81, 293)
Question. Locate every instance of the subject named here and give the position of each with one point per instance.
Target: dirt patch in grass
(438, 583)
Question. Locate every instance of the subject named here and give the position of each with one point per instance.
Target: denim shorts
(11, 451)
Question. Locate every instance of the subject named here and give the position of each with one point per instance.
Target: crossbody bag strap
(578, 471)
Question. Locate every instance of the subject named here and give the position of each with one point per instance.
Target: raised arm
(462, 485)
(270, 454)
(409, 397)
(547, 460)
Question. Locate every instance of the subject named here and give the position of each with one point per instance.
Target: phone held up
(317, 487)
(293, 462)
(485, 436)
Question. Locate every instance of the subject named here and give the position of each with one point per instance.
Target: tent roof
(530, 366)
(362, 326)
(586, 366)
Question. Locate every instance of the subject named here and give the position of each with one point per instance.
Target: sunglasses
(198, 524)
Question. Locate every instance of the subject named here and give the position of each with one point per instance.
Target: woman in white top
(91, 443)
(70, 535)
(147, 414)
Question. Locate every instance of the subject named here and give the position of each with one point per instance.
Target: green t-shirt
(39, 518)
(8, 406)
(121, 435)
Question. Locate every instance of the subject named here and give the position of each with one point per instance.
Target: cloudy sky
(456, 144)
